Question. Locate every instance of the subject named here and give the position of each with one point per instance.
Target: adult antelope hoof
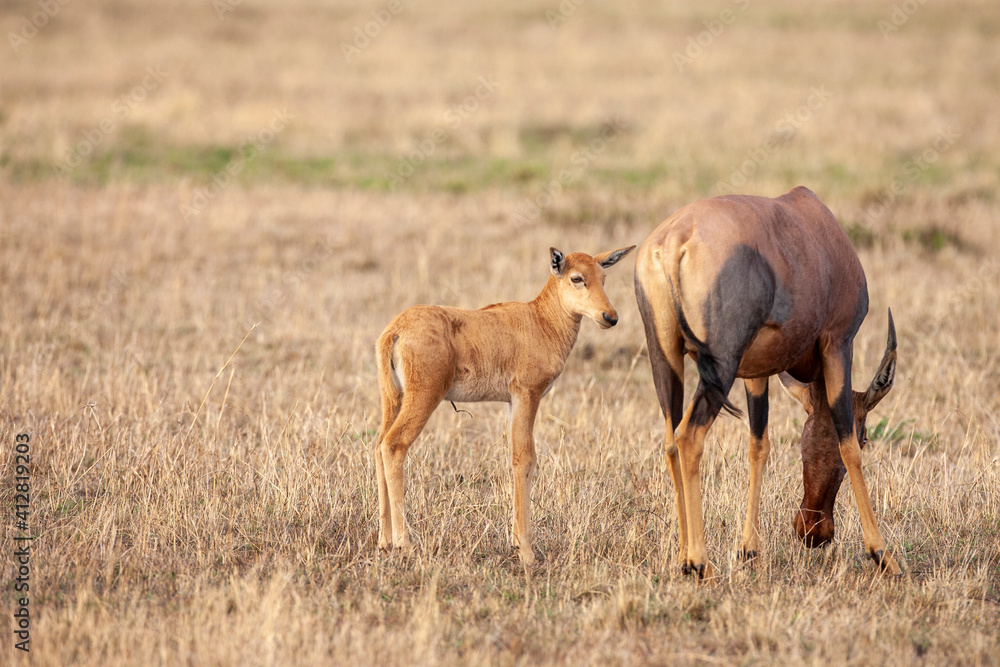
(886, 563)
(703, 570)
(746, 555)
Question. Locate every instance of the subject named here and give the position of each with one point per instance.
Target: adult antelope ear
(558, 262)
(610, 258)
(886, 373)
(797, 390)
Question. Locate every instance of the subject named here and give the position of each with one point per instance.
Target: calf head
(580, 283)
(822, 467)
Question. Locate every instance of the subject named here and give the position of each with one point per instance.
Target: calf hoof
(527, 556)
(403, 546)
(746, 554)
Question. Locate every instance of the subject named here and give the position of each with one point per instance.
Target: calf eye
(577, 280)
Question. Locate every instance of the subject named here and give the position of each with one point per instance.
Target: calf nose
(612, 320)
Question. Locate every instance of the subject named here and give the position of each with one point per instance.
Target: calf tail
(392, 395)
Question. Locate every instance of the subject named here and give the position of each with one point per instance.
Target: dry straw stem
(212, 386)
(252, 539)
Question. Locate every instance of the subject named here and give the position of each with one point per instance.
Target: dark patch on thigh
(739, 304)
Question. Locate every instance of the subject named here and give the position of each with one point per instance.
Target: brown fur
(751, 287)
(509, 352)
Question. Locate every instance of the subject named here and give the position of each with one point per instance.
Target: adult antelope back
(751, 287)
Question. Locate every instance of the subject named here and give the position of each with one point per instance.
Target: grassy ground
(172, 175)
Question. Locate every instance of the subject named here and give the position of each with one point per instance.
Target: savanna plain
(209, 211)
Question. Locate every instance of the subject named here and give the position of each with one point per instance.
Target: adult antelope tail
(708, 369)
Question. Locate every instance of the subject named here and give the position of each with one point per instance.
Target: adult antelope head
(751, 287)
(822, 468)
(510, 352)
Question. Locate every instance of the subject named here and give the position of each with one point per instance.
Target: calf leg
(416, 409)
(391, 401)
(524, 406)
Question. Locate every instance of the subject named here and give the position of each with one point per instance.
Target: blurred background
(177, 175)
(841, 94)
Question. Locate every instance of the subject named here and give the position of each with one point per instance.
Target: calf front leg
(524, 406)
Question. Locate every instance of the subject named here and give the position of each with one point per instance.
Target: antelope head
(822, 468)
(579, 282)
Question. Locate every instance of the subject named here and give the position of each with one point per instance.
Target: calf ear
(558, 262)
(797, 390)
(886, 373)
(610, 258)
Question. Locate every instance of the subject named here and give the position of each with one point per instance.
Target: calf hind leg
(391, 403)
(416, 409)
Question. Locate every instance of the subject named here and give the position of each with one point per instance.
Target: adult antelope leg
(664, 344)
(524, 406)
(760, 447)
(837, 373)
(690, 444)
(674, 466)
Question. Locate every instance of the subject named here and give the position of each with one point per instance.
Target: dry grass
(181, 521)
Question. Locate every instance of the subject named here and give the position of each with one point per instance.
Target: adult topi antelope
(751, 287)
(509, 352)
